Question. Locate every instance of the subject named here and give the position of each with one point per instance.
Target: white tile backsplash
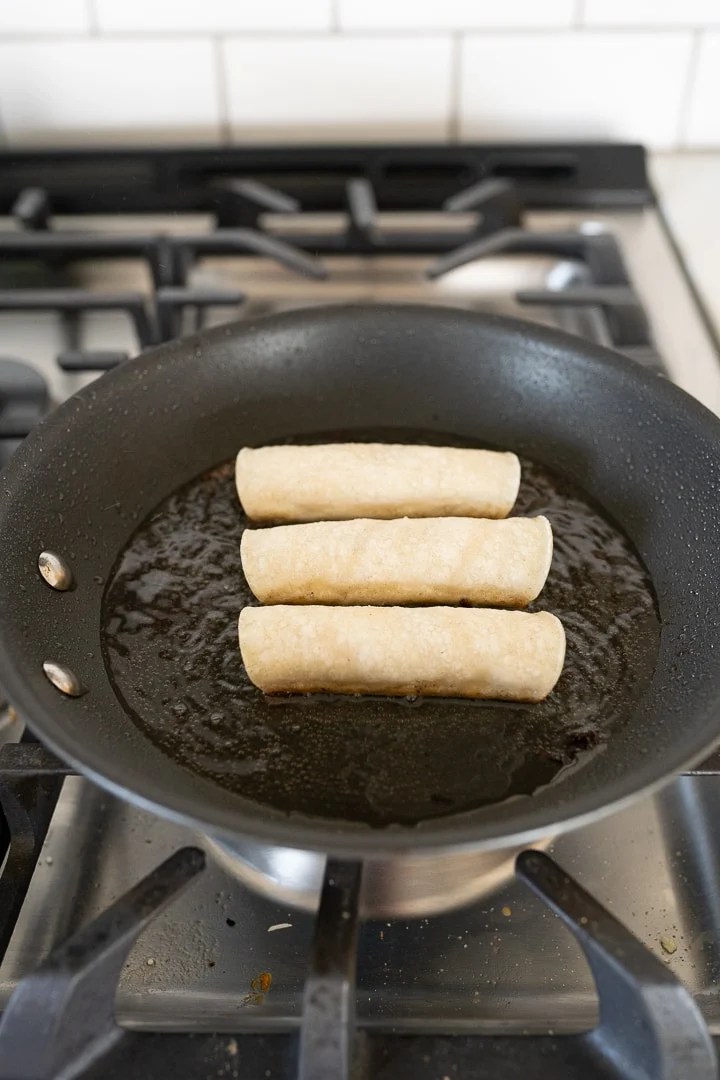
(44, 16)
(574, 86)
(703, 121)
(339, 88)
(213, 15)
(121, 91)
(453, 14)
(129, 71)
(651, 12)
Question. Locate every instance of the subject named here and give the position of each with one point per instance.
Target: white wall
(168, 71)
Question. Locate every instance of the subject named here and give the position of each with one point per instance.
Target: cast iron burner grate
(60, 1019)
(241, 190)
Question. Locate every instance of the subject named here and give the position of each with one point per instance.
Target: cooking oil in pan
(170, 645)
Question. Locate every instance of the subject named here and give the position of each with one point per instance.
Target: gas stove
(131, 946)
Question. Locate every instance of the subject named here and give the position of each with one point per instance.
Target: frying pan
(85, 478)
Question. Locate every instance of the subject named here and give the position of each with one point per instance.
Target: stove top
(103, 254)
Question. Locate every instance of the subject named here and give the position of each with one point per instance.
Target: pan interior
(169, 632)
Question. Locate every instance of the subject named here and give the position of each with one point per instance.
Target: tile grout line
(688, 90)
(93, 21)
(578, 22)
(455, 85)
(27, 38)
(221, 88)
(335, 27)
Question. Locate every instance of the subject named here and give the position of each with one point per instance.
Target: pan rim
(342, 837)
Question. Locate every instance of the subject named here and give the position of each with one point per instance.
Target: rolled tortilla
(454, 652)
(406, 561)
(374, 480)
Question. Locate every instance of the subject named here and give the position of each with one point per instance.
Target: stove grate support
(328, 1021)
(63, 1015)
(60, 1019)
(30, 783)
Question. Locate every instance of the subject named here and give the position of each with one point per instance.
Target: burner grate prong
(362, 207)
(173, 299)
(59, 247)
(242, 201)
(262, 195)
(30, 782)
(328, 1022)
(479, 194)
(241, 242)
(649, 1024)
(74, 301)
(31, 209)
(625, 315)
(511, 241)
(72, 360)
(64, 1013)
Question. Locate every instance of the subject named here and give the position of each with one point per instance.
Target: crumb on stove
(506, 911)
(669, 945)
(259, 987)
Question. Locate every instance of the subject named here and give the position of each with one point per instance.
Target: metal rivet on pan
(55, 570)
(63, 679)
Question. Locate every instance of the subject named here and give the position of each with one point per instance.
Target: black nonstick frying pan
(90, 473)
